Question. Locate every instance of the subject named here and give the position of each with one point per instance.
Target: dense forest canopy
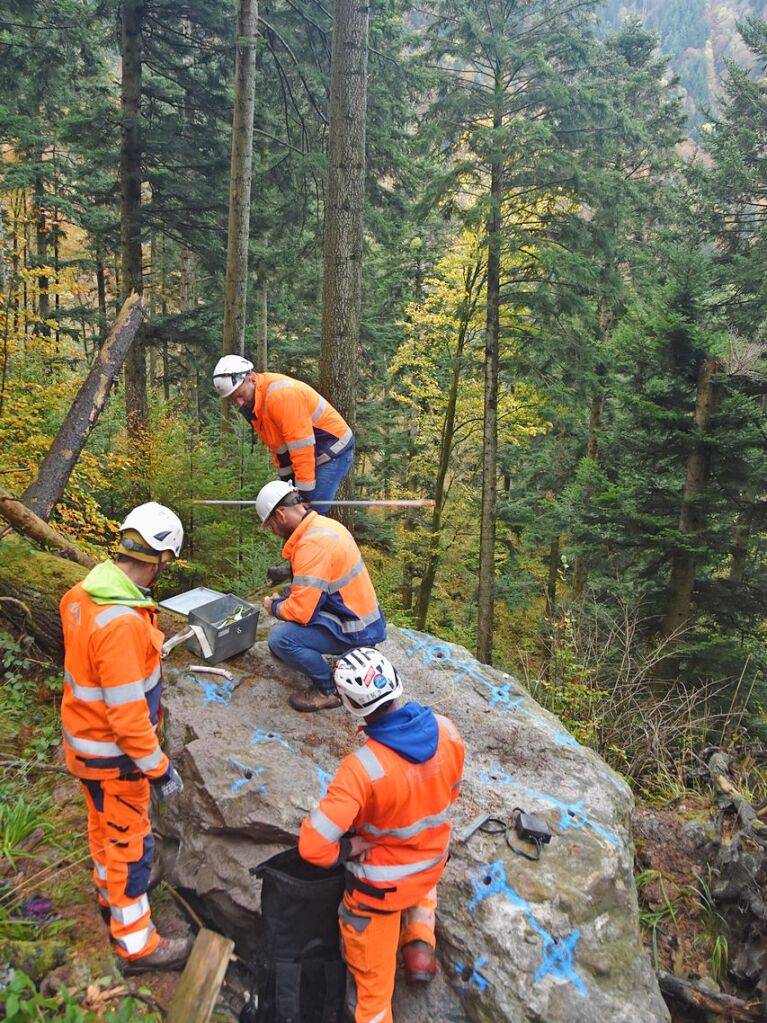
(562, 322)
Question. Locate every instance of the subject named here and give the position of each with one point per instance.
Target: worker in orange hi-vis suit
(110, 713)
(310, 442)
(385, 816)
(331, 606)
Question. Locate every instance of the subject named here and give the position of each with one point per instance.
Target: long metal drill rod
(342, 504)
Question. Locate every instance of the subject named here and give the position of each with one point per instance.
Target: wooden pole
(197, 991)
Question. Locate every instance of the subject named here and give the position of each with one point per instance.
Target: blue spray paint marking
(557, 952)
(261, 735)
(502, 696)
(475, 977)
(496, 777)
(572, 815)
(216, 692)
(248, 775)
(324, 778)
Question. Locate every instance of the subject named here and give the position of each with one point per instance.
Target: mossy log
(32, 583)
(27, 524)
(35, 581)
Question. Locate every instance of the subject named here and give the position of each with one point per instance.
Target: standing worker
(331, 605)
(110, 713)
(385, 816)
(310, 442)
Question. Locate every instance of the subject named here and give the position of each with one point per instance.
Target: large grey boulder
(555, 941)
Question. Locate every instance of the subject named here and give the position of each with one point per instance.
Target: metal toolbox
(222, 624)
(229, 624)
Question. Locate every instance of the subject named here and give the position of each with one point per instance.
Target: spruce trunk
(130, 207)
(342, 251)
(691, 517)
(235, 296)
(486, 591)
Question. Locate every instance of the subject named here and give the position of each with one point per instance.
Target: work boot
(314, 699)
(419, 961)
(279, 573)
(170, 954)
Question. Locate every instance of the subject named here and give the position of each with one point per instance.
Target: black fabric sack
(301, 976)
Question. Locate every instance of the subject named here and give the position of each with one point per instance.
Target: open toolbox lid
(190, 600)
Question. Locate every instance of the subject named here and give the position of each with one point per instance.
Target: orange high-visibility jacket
(300, 428)
(400, 806)
(110, 709)
(331, 586)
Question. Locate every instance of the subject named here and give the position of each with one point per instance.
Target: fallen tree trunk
(36, 581)
(702, 998)
(42, 496)
(24, 521)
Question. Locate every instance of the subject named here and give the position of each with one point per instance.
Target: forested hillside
(547, 324)
(699, 37)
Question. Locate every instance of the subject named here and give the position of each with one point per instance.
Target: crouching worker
(110, 713)
(331, 606)
(385, 816)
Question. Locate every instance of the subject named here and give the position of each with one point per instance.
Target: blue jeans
(328, 478)
(302, 646)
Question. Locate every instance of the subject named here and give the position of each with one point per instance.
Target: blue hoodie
(412, 731)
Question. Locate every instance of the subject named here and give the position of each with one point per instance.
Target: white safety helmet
(229, 373)
(365, 680)
(270, 495)
(151, 533)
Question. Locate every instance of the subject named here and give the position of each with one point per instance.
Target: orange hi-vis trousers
(122, 847)
(370, 942)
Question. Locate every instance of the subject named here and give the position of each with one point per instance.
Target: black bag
(301, 975)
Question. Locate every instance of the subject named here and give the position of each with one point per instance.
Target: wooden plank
(197, 991)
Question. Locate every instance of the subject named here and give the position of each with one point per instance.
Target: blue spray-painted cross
(261, 735)
(557, 952)
(216, 692)
(475, 977)
(248, 775)
(572, 815)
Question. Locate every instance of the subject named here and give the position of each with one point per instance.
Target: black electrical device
(529, 828)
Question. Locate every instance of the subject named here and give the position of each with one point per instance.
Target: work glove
(169, 785)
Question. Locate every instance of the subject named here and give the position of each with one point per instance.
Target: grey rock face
(555, 941)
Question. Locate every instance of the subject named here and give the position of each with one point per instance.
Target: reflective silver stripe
(101, 870)
(325, 826)
(356, 624)
(103, 893)
(88, 694)
(319, 410)
(134, 943)
(281, 450)
(115, 611)
(378, 1018)
(276, 386)
(91, 747)
(448, 725)
(114, 695)
(346, 579)
(149, 763)
(319, 531)
(321, 459)
(373, 873)
(308, 485)
(341, 443)
(304, 442)
(369, 761)
(285, 470)
(435, 821)
(312, 580)
(359, 923)
(130, 914)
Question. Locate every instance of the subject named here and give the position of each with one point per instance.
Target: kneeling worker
(110, 712)
(331, 605)
(385, 817)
